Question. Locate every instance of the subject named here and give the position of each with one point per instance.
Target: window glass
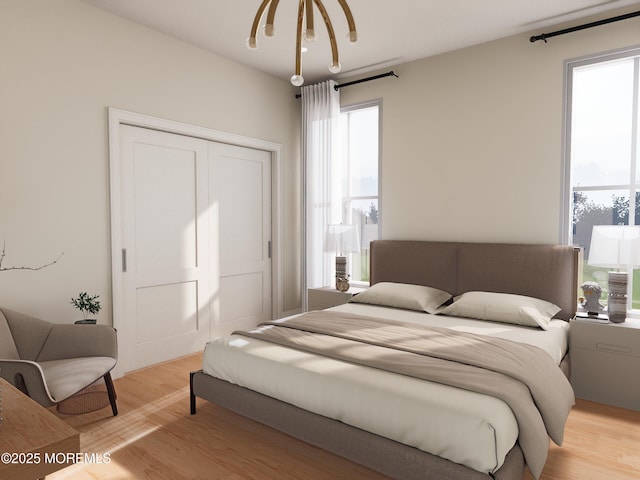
(362, 149)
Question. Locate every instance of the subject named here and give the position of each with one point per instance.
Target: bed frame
(549, 272)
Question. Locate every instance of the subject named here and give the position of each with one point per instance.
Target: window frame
(349, 198)
(567, 189)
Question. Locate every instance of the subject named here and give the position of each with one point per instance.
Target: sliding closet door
(194, 218)
(240, 180)
(165, 259)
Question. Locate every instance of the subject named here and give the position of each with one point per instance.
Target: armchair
(51, 362)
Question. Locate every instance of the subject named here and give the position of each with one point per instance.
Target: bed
(427, 423)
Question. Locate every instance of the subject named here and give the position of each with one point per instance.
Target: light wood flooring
(154, 437)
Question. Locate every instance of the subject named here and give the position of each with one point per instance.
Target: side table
(326, 297)
(605, 361)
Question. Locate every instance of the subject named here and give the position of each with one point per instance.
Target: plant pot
(86, 321)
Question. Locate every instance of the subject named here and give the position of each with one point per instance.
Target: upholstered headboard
(548, 272)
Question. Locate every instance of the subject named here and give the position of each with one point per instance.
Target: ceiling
(390, 32)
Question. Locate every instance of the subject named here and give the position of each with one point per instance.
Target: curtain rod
(368, 79)
(544, 36)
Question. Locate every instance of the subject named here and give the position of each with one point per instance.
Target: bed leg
(192, 397)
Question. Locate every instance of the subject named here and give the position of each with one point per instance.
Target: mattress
(465, 427)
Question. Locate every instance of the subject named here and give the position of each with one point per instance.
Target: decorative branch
(3, 254)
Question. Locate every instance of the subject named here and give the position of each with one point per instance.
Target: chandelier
(305, 14)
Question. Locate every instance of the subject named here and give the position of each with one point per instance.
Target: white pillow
(403, 295)
(503, 307)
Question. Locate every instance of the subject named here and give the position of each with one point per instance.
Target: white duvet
(469, 428)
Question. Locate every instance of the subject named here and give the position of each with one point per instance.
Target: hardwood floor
(601, 442)
(154, 437)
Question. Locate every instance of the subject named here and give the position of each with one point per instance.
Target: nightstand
(605, 361)
(326, 297)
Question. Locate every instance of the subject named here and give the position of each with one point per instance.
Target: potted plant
(87, 305)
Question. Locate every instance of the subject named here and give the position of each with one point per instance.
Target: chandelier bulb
(353, 36)
(269, 30)
(297, 80)
(252, 43)
(310, 35)
(335, 67)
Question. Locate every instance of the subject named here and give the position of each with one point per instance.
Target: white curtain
(322, 184)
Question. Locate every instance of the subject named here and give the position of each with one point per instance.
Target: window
(602, 150)
(359, 161)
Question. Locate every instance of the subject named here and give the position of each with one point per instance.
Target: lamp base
(617, 301)
(341, 266)
(341, 269)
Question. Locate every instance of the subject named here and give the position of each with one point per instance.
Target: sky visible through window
(363, 152)
(601, 123)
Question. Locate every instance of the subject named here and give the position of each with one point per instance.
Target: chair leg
(112, 393)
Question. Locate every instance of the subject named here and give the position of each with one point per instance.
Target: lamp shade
(342, 239)
(615, 246)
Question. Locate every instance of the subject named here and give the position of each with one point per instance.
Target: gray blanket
(523, 376)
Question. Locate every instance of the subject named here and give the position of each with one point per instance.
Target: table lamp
(616, 246)
(342, 239)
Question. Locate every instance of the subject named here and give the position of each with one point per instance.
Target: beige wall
(63, 64)
(472, 140)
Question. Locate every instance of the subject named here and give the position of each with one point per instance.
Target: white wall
(472, 140)
(63, 63)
